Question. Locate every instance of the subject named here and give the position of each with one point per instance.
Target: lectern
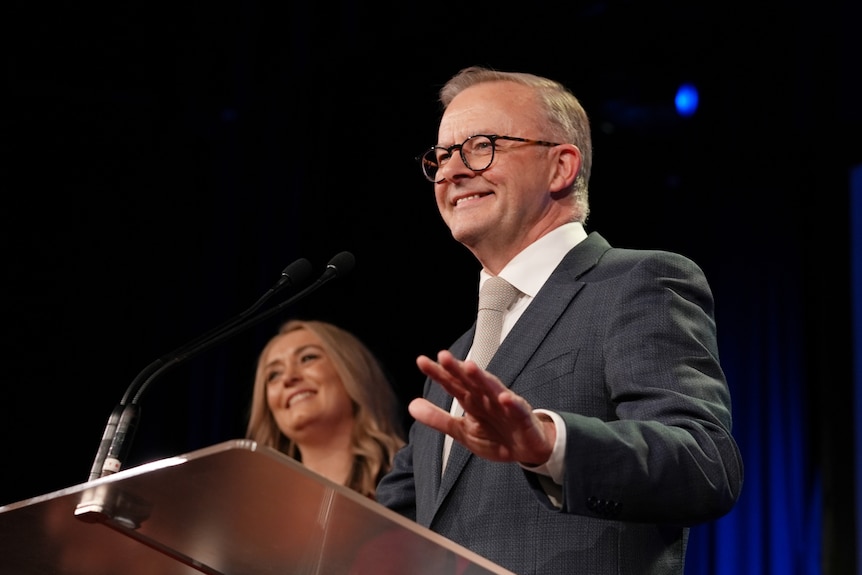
(235, 508)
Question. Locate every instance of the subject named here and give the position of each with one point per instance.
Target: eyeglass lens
(477, 153)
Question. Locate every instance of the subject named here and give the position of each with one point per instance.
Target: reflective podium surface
(235, 508)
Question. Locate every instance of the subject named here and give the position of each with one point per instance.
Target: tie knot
(497, 294)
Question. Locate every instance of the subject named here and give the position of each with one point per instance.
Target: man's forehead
(476, 111)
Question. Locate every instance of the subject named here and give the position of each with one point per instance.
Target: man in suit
(600, 431)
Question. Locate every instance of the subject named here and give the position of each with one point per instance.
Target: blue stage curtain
(856, 346)
(775, 528)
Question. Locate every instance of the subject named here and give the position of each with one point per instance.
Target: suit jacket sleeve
(648, 420)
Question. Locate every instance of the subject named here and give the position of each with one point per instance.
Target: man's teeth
(474, 196)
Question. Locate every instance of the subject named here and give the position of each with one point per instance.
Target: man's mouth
(471, 197)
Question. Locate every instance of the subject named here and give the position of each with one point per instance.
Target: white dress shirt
(528, 271)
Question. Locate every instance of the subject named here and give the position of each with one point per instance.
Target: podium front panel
(235, 508)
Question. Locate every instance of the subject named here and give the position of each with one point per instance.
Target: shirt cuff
(555, 466)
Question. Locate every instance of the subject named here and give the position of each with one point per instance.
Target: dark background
(163, 164)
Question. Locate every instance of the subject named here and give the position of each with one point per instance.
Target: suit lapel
(522, 342)
(545, 310)
(439, 397)
(511, 357)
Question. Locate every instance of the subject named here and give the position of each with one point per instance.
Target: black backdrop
(162, 165)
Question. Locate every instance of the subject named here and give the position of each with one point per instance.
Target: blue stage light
(686, 100)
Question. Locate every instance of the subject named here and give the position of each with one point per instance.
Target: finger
(426, 412)
(448, 376)
(514, 405)
(471, 375)
(480, 389)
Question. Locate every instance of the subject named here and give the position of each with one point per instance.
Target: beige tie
(495, 297)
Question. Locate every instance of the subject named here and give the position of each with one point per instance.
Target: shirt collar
(529, 270)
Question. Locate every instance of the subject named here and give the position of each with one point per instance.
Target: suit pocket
(543, 379)
(555, 384)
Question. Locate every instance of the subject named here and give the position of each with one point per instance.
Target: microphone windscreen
(299, 272)
(342, 263)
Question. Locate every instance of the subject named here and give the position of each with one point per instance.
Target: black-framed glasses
(477, 153)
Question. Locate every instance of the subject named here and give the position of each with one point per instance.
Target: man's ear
(567, 167)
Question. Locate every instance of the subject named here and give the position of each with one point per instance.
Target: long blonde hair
(377, 433)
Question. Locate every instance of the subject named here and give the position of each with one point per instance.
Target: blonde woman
(322, 397)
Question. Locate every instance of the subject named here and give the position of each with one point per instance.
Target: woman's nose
(290, 377)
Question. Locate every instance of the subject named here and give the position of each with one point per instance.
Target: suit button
(605, 507)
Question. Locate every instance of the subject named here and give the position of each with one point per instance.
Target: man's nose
(454, 167)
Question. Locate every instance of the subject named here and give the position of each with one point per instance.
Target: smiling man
(600, 431)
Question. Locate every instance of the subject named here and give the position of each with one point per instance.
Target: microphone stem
(105, 444)
(225, 334)
(126, 414)
(122, 422)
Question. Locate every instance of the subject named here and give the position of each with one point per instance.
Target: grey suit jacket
(622, 344)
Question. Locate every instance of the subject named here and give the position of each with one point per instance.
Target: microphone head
(341, 264)
(298, 272)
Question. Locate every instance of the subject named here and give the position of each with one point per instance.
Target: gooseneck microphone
(123, 420)
(296, 273)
